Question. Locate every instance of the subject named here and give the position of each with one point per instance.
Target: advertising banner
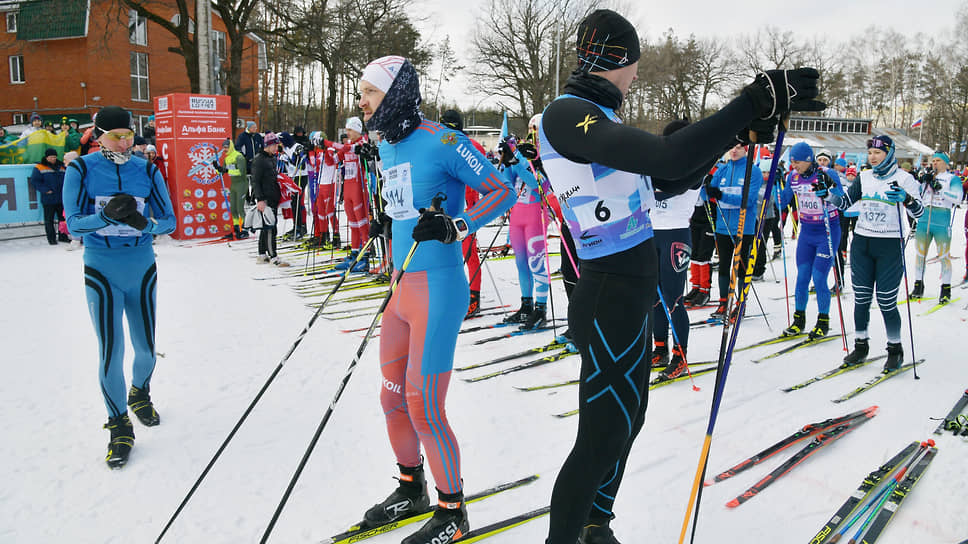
(189, 131)
(19, 202)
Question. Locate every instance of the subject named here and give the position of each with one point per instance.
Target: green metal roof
(52, 19)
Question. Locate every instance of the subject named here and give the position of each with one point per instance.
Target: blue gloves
(896, 194)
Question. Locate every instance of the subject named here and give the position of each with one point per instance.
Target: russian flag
(917, 123)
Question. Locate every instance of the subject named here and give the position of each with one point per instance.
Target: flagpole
(920, 128)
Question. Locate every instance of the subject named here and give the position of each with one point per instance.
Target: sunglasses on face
(118, 136)
(878, 144)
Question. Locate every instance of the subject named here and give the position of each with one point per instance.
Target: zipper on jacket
(117, 168)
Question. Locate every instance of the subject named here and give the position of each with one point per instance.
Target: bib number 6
(601, 212)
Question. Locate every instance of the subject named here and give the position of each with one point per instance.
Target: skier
(452, 119)
(703, 245)
(876, 254)
(106, 198)
(235, 167)
(601, 171)
(293, 156)
(813, 247)
(670, 219)
(940, 191)
(424, 163)
(325, 163)
(354, 194)
(529, 234)
(726, 187)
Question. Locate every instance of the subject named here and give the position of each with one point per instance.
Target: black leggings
(267, 238)
(609, 319)
(672, 248)
(568, 272)
(724, 244)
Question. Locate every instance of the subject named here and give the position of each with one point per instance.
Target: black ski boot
(336, 241)
(918, 291)
(945, 293)
(449, 523)
(140, 403)
(660, 354)
(821, 328)
(537, 318)
(597, 532)
(687, 300)
(677, 366)
(474, 307)
(720, 312)
(859, 355)
(122, 440)
(895, 356)
(798, 326)
(240, 233)
(520, 316)
(701, 298)
(409, 498)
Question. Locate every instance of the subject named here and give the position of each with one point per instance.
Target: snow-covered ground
(222, 333)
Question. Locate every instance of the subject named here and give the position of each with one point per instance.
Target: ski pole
(728, 341)
(907, 289)
(756, 294)
(786, 284)
(675, 336)
(340, 389)
(838, 282)
(252, 404)
(487, 253)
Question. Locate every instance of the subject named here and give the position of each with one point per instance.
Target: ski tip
(732, 504)
(707, 483)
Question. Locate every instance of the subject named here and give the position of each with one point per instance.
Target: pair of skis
(823, 434)
(362, 531)
(951, 421)
(874, 503)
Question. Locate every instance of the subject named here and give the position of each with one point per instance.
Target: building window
(139, 76)
(11, 21)
(137, 28)
(140, 122)
(17, 69)
(20, 118)
(218, 45)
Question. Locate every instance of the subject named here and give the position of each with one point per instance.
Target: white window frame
(137, 28)
(20, 118)
(138, 77)
(11, 21)
(19, 76)
(219, 45)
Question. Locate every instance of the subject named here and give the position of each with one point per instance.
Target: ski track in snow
(223, 333)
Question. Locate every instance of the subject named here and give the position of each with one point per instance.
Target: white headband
(382, 71)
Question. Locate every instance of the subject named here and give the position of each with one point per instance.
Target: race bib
(878, 216)
(117, 230)
(398, 193)
(524, 194)
(349, 169)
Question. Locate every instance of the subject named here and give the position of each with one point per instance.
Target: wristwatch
(462, 229)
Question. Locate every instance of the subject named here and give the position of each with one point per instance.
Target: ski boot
(597, 532)
(448, 524)
(720, 312)
(564, 338)
(409, 498)
(895, 356)
(348, 261)
(279, 262)
(859, 355)
(687, 300)
(474, 307)
(537, 318)
(262, 259)
(122, 440)
(240, 233)
(918, 291)
(821, 328)
(945, 294)
(363, 265)
(798, 326)
(336, 243)
(701, 298)
(520, 316)
(676, 367)
(140, 402)
(660, 354)
(733, 315)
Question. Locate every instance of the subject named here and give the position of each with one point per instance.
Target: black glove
(221, 169)
(120, 206)
(823, 184)
(136, 221)
(714, 192)
(935, 185)
(434, 225)
(508, 158)
(776, 92)
(763, 128)
(380, 225)
(529, 151)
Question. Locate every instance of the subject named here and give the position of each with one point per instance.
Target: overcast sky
(707, 18)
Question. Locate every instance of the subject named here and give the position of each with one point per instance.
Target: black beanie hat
(50, 151)
(606, 41)
(452, 119)
(112, 117)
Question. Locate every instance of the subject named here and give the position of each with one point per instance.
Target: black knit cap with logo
(606, 41)
(112, 117)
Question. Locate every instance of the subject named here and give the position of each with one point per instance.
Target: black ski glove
(822, 186)
(380, 225)
(135, 220)
(714, 193)
(776, 92)
(763, 128)
(529, 151)
(435, 225)
(120, 206)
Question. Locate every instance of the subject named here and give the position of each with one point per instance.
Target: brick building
(72, 57)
